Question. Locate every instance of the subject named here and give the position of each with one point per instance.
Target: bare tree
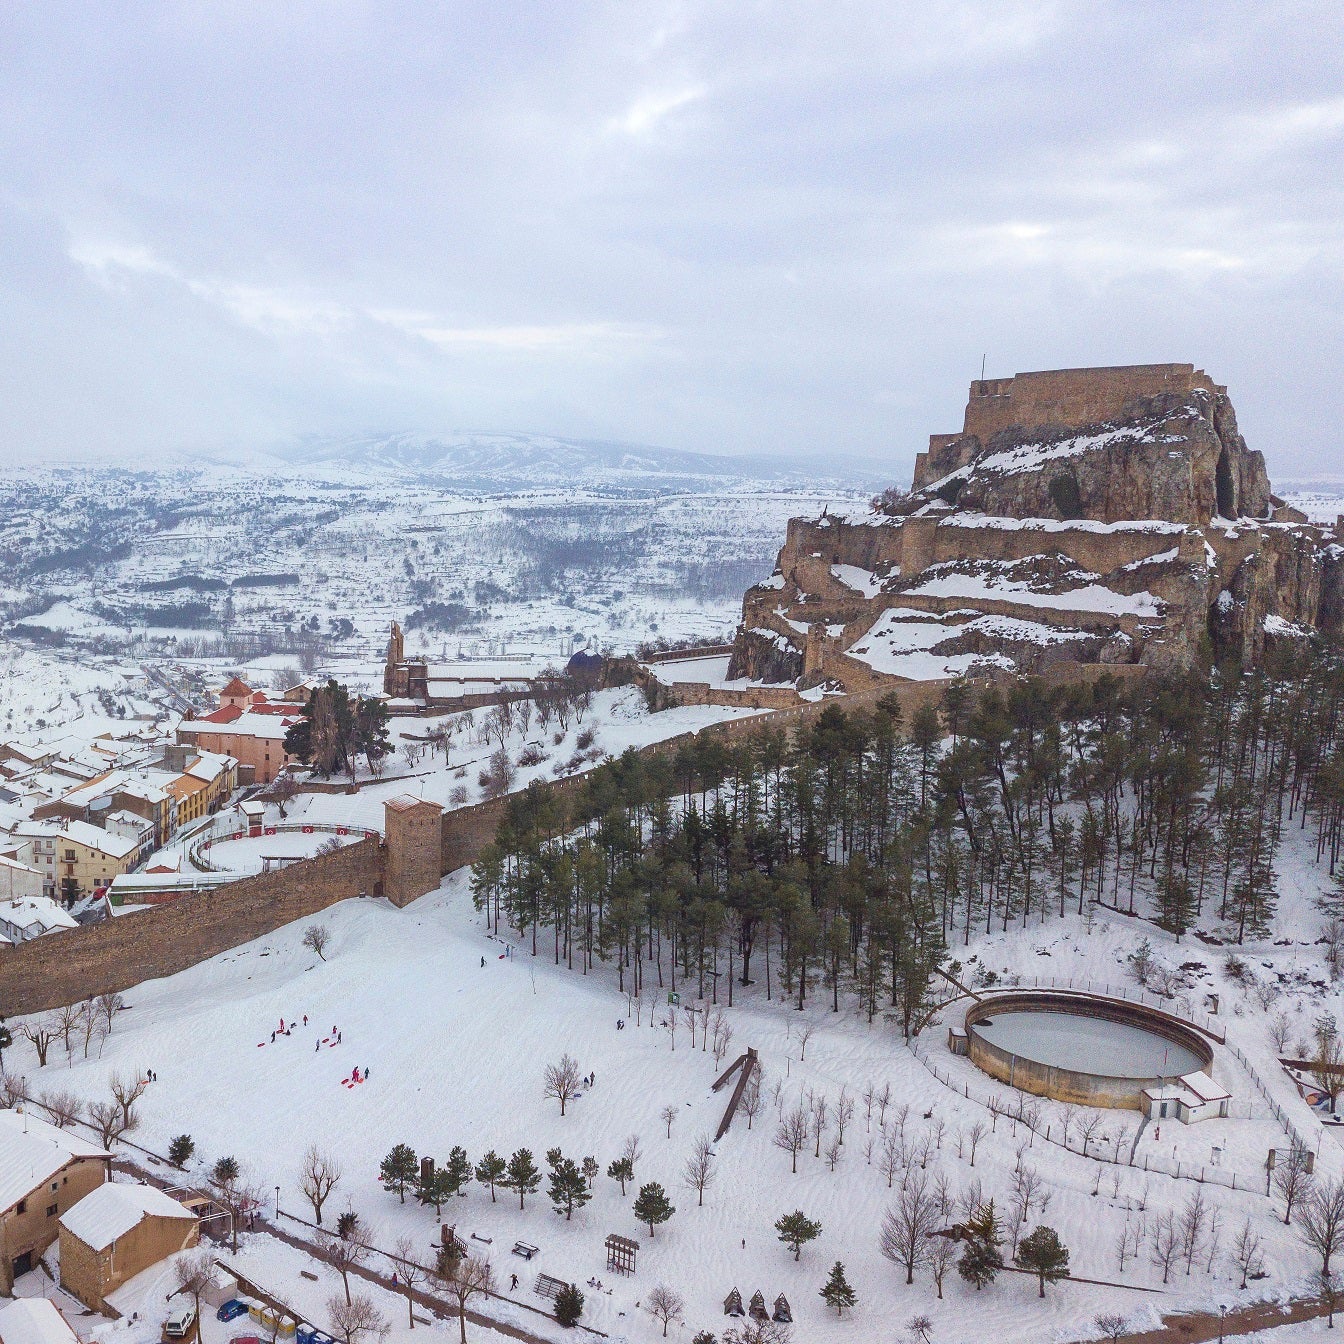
(670, 1026)
(1191, 1226)
(1321, 1221)
(892, 1159)
(631, 1150)
(109, 1005)
(127, 1091)
(844, 1113)
(1129, 1241)
(192, 1275)
(698, 1173)
(1027, 1192)
(562, 1081)
(359, 1317)
(1246, 1253)
(883, 1101)
(343, 1252)
(464, 1276)
(820, 1115)
(974, 1135)
(63, 1107)
(803, 1037)
(316, 937)
(1165, 1245)
(751, 1097)
(1110, 1326)
(723, 1038)
(667, 1115)
(317, 1178)
(106, 1117)
(1327, 1064)
(792, 1133)
(906, 1224)
(66, 1022)
(1293, 1179)
(1088, 1128)
(665, 1305)
(1328, 1289)
(941, 1254)
(833, 1152)
(410, 1274)
(92, 1026)
(40, 1032)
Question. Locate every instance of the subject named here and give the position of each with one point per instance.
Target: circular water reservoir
(1079, 1048)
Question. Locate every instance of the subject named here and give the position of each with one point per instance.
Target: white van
(179, 1322)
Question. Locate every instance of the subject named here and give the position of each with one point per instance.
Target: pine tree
(434, 1186)
(522, 1175)
(568, 1305)
(457, 1171)
(1043, 1254)
(491, 1170)
(621, 1169)
(837, 1292)
(982, 1259)
(181, 1150)
(795, 1230)
(651, 1205)
(568, 1187)
(400, 1168)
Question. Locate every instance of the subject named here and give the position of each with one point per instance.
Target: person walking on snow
(305, 1019)
(513, 1286)
(482, 963)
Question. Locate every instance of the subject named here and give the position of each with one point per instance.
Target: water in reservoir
(1094, 1045)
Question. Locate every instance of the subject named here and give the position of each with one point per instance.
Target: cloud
(747, 228)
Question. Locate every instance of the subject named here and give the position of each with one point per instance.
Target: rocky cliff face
(1085, 516)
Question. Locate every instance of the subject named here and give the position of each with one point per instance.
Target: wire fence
(1277, 1111)
(1105, 1149)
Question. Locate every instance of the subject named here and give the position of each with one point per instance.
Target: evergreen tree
(652, 1206)
(568, 1305)
(521, 1175)
(400, 1169)
(568, 1187)
(981, 1259)
(795, 1230)
(434, 1186)
(181, 1150)
(621, 1169)
(837, 1292)
(491, 1170)
(1042, 1253)
(457, 1171)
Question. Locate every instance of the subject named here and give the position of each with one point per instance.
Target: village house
(34, 1320)
(43, 1172)
(201, 781)
(18, 880)
(75, 857)
(117, 1232)
(116, 792)
(248, 726)
(25, 917)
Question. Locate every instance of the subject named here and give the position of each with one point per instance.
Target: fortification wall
(124, 950)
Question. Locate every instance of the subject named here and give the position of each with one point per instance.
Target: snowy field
(455, 1051)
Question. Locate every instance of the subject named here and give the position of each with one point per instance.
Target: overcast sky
(727, 226)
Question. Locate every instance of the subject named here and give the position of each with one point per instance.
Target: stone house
(44, 1171)
(117, 1232)
(248, 726)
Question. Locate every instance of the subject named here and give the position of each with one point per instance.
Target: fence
(1277, 1111)
(1021, 1114)
(234, 830)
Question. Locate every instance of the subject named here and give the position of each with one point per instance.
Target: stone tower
(413, 829)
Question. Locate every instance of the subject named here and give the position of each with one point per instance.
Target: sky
(737, 227)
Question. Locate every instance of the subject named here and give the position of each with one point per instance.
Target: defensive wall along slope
(421, 844)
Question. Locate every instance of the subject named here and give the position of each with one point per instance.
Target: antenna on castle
(982, 367)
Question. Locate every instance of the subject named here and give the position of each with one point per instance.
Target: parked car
(245, 1339)
(179, 1322)
(231, 1310)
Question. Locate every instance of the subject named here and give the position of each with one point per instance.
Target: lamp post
(1222, 1318)
(277, 1204)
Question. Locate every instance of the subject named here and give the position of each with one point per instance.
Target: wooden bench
(549, 1286)
(526, 1250)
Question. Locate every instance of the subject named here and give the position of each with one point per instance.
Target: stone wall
(124, 950)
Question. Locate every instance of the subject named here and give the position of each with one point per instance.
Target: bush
(568, 1305)
(531, 755)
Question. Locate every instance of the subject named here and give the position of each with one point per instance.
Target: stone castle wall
(124, 950)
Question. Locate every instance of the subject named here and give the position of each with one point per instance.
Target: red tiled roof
(236, 687)
(225, 715)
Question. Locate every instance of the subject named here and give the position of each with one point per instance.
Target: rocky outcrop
(1087, 516)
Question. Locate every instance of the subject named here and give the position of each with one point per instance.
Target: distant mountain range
(487, 462)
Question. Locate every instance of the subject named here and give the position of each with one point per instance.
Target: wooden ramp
(748, 1064)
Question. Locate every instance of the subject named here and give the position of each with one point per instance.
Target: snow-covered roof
(25, 911)
(34, 1320)
(112, 1210)
(271, 726)
(29, 1159)
(1204, 1087)
(208, 765)
(15, 864)
(94, 837)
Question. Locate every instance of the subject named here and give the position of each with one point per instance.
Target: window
(54, 1186)
(69, 856)
(21, 1206)
(51, 1210)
